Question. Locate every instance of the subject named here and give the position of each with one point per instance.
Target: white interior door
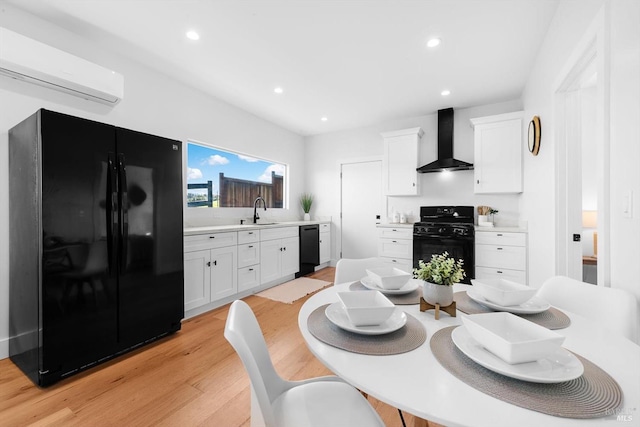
(361, 207)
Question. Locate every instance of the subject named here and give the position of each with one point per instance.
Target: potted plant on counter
(306, 200)
(438, 276)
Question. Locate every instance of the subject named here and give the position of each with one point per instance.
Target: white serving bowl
(388, 277)
(366, 308)
(503, 292)
(512, 338)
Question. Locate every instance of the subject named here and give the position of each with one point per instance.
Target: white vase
(437, 294)
(307, 217)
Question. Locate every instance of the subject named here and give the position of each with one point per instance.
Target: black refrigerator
(96, 243)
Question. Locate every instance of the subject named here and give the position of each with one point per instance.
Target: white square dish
(366, 308)
(503, 292)
(512, 338)
(388, 277)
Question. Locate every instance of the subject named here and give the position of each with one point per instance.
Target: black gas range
(446, 228)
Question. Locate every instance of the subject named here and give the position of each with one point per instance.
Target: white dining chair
(275, 402)
(615, 309)
(350, 270)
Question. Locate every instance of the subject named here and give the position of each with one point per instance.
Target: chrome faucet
(256, 217)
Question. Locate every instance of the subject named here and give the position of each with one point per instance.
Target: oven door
(457, 247)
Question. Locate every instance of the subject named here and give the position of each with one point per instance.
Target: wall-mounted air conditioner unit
(29, 60)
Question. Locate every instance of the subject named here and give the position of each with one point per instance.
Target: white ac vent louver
(35, 62)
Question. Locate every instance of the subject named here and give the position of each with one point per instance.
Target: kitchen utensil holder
(450, 309)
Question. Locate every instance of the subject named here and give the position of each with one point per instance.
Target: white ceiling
(357, 62)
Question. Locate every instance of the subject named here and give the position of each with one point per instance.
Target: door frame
(383, 201)
(593, 48)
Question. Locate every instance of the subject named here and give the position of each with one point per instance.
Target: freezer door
(78, 289)
(151, 285)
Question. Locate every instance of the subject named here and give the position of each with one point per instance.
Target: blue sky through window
(206, 163)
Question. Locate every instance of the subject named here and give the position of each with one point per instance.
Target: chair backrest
(350, 270)
(244, 334)
(615, 309)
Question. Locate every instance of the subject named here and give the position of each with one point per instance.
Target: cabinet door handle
(280, 249)
(215, 262)
(285, 248)
(393, 229)
(251, 269)
(212, 237)
(499, 272)
(209, 264)
(394, 241)
(499, 234)
(499, 249)
(251, 232)
(320, 241)
(414, 184)
(250, 246)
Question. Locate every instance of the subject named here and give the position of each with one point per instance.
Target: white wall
(152, 103)
(625, 143)
(572, 21)
(324, 153)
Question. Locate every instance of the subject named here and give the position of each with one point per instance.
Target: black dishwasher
(309, 249)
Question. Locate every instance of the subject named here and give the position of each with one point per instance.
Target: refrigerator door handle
(124, 211)
(112, 209)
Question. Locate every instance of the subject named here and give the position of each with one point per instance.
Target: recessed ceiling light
(433, 42)
(192, 35)
(324, 119)
(445, 92)
(278, 90)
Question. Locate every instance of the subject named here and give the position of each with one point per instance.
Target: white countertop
(189, 231)
(396, 225)
(502, 229)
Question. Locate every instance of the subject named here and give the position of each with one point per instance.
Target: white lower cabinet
(197, 279)
(325, 243)
(395, 247)
(248, 277)
(209, 268)
(501, 255)
(279, 253)
(218, 266)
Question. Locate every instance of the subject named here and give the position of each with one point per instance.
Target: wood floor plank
(192, 378)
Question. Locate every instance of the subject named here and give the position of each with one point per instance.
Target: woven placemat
(409, 337)
(550, 319)
(593, 395)
(402, 299)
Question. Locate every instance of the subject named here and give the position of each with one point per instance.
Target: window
(218, 178)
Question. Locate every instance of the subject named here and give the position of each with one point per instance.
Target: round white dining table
(415, 381)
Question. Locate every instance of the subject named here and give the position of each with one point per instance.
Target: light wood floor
(193, 378)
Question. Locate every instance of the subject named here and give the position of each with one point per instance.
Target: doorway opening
(582, 164)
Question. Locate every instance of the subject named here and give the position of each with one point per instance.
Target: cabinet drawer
(210, 241)
(402, 264)
(278, 233)
(509, 257)
(325, 228)
(517, 276)
(248, 254)
(248, 277)
(500, 238)
(395, 233)
(395, 248)
(248, 236)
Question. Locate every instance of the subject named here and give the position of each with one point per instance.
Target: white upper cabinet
(400, 162)
(498, 153)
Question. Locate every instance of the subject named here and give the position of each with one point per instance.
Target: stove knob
(442, 230)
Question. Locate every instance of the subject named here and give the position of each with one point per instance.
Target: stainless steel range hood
(445, 147)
